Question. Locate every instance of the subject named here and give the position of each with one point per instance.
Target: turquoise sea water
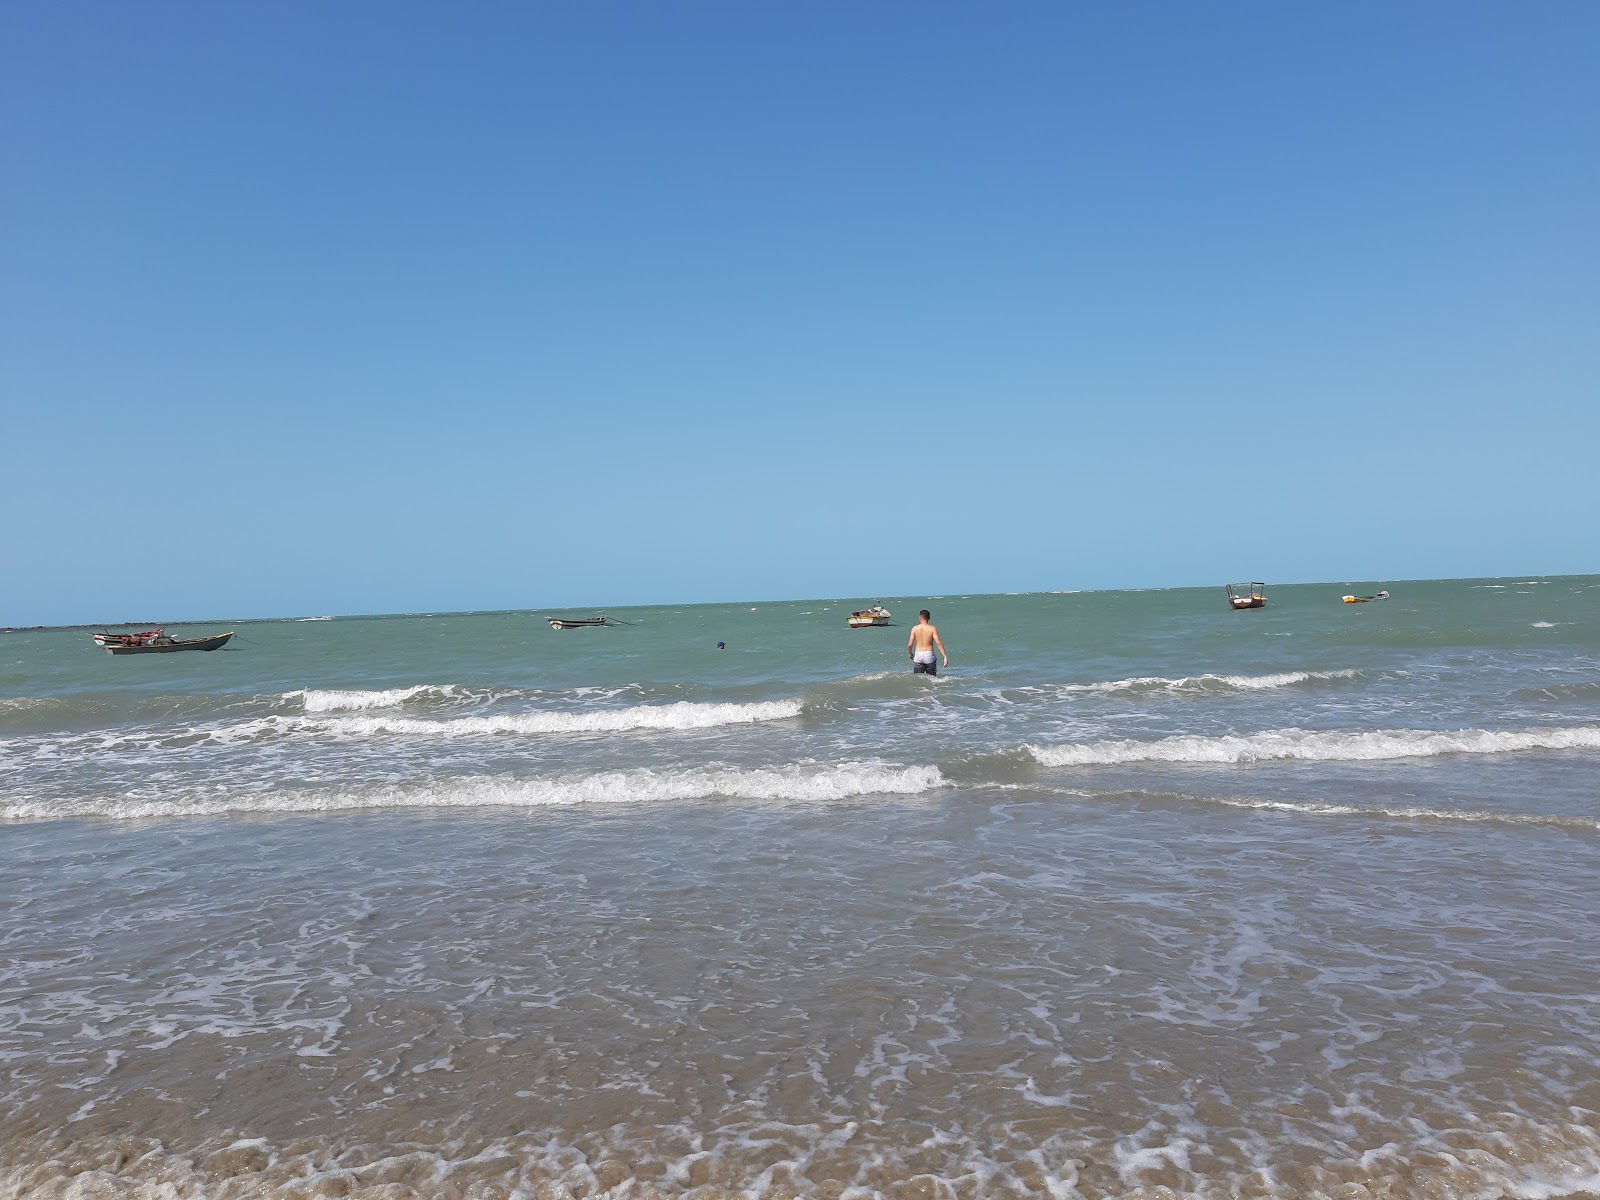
(1140, 894)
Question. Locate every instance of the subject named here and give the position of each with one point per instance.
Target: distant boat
(1247, 595)
(156, 641)
(578, 622)
(865, 618)
(1366, 599)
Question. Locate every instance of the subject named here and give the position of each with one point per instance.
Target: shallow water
(1143, 898)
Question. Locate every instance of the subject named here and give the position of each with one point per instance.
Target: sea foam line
(803, 781)
(1313, 808)
(318, 701)
(681, 716)
(685, 714)
(1317, 746)
(644, 717)
(1207, 682)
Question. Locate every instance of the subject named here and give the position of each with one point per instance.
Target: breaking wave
(159, 740)
(1207, 683)
(315, 701)
(805, 781)
(23, 708)
(683, 715)
(1316, 746)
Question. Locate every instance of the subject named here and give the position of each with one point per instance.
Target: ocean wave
(803, 781)
(32, 704)
(85, 711)
(1278, 745)
(1588, 690)
(685, 714)
(317, 701)
(162, 740)
(1403, 812)
(1207, 683)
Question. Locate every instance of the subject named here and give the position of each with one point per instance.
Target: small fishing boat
(156, 641)
(865, 618)
(1247, 595)
(128, 639)
(578, 622)
(1366, 599)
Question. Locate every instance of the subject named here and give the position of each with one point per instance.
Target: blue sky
(314, 308)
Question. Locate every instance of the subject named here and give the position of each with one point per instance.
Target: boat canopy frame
(1247, 595)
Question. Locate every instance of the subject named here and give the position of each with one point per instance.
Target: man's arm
(911, 643)
(942, 650)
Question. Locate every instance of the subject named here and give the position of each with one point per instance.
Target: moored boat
(1366, 599)
(577, 622)
(866, 617)
(128, 639)
(1246, 595)
(156, 641)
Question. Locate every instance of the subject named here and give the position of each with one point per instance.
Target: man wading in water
(924, 637)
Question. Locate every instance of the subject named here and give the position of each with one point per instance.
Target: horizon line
(482, 612)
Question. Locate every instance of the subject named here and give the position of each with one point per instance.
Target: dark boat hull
(585, 623)
(205, 643)
(1246, 595)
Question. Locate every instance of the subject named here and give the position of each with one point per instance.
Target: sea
(1141, 897)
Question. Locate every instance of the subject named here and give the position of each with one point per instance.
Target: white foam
(1401, 812)
(683, 715)
(316, 701)
(772, 1158)
(803, 781)
(1317, 746)
(1130, 1159)
(1207, 682)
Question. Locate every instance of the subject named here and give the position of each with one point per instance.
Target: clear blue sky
(331, 308)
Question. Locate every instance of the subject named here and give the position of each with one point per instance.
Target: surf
(814, 782)
(683, 715)
(1305, 745)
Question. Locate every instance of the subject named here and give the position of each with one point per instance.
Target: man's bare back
(919, 647)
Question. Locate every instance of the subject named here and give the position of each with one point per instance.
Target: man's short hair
(926, 615)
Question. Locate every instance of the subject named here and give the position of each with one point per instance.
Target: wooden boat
(1366, 599)
(128, 639)
(1247, 595)
(577, 622)
(156, 641)
(865, 618)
